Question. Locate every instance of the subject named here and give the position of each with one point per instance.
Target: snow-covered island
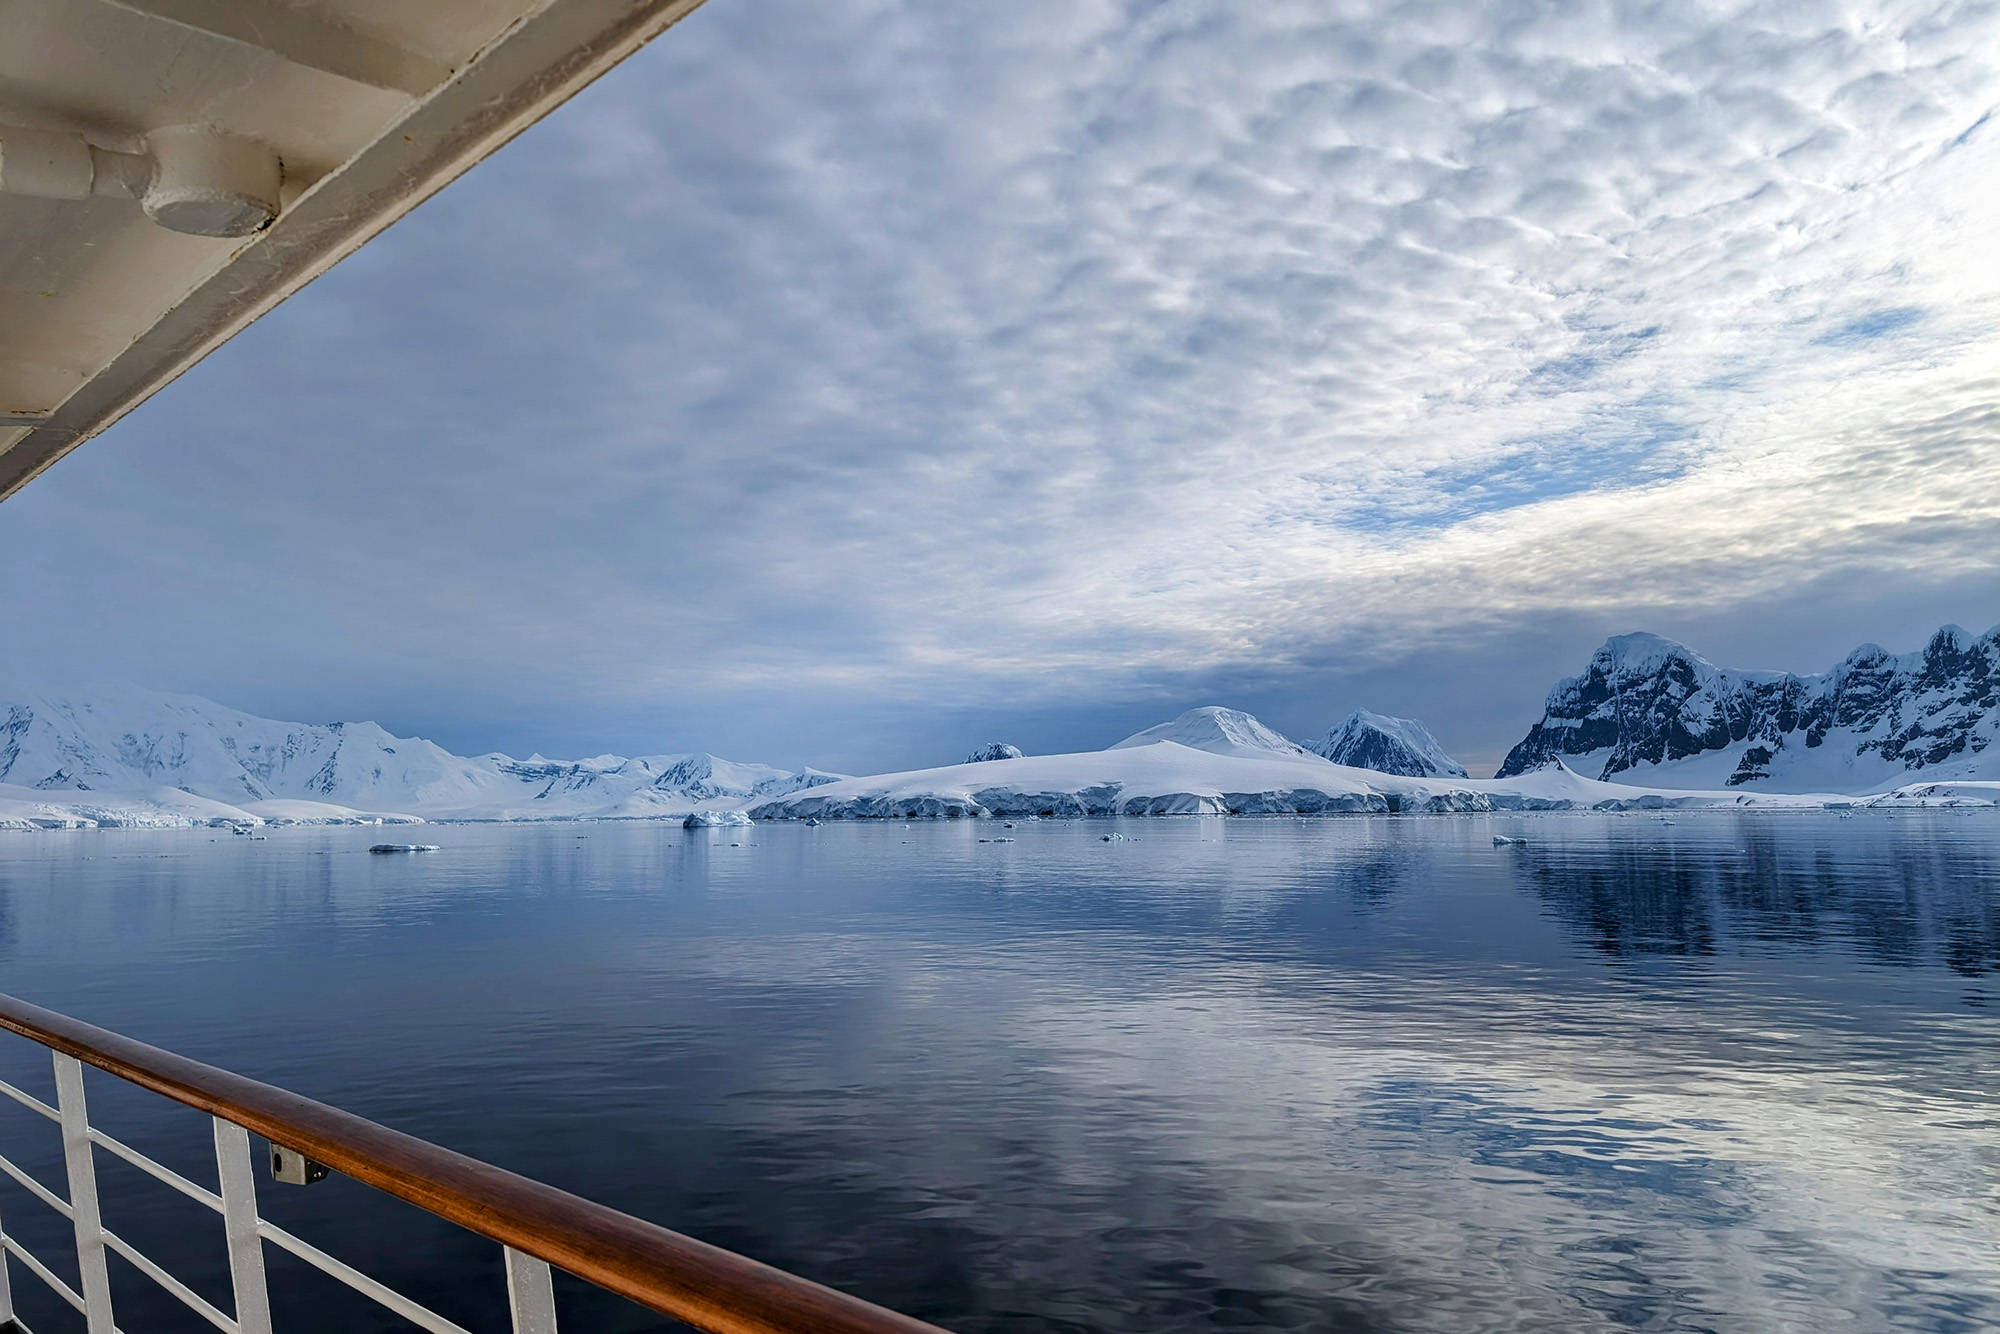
(1217, 761)
(1648, 724)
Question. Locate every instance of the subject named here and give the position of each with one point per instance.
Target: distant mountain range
(124, 739)
(1647, 712)
(1653, 712)
(1217, 761)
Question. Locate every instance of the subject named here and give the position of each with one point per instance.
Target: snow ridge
(1219, 731)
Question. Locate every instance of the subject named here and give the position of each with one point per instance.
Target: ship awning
(172, 169)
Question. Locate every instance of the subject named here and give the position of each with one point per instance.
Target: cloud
(884, 356)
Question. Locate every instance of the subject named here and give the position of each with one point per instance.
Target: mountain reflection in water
(1732, 1073)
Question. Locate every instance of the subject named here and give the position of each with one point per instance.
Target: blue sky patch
(1875, 324)
(1528, 473)
(1578, 368)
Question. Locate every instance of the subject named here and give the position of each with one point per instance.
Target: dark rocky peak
(1646, 700)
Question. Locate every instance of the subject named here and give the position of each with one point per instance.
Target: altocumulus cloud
(827, 361)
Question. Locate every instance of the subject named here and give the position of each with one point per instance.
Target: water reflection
(1366, 1074)
(1891, 899)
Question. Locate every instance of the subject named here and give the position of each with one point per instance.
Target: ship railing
(538, 1228)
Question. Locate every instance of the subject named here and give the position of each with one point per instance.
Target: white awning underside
(129, 127)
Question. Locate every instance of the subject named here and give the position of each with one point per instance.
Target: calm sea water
(1736, 1072)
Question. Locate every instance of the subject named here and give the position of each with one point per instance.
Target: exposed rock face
(994, 750)
(1646, 703)
(1387, 745)
(707, 777)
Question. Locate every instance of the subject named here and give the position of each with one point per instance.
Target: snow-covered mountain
(994, 750)
(1650, 711)
(706, 778)
(1219, 731)
(1364, 740)
(1667, 725)
(1168, 778)
(1215, 761)
(126, 740)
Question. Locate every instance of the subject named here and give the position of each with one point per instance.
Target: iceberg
(715, 820)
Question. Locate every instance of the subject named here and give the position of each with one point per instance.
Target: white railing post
(6, 1292)
(96, 1277)
(238, 1176)
(531, 1293)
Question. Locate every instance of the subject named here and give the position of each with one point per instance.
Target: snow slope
(117, 750)
(1648, 710)
(1220, 731)
(1154, 778)
(1365, 740)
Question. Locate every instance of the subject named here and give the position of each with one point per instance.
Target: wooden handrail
(692, 1281)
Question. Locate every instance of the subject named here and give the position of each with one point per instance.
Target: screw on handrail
(91, 1267)
(238, 1177)
(531, 1293)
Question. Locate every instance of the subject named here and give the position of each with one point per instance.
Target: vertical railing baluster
(238, 1176)
(90, 1264)
(6, 1291)
(531, 1293)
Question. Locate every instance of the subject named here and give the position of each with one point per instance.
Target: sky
(855, 384)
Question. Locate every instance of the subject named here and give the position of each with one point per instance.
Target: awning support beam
(297, 36)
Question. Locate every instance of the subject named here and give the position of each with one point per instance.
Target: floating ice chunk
(404, 847)
(715, 819)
